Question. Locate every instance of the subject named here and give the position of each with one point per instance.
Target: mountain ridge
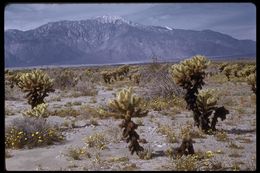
(108, 39)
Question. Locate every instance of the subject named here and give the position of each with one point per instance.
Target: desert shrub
(31, 132)
(37, 85)
(158, 104)
(88, 112)
(86, 88)
(168, 132)
(66, 79)
(159, 83)
(221, 136)
(126, 106)
(90, 75)
(187, 163)
(97, 140)
(78, 153)
(65, 112)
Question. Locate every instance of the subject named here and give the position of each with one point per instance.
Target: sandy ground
(116, 155)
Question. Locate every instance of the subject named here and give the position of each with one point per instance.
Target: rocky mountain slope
(109, 39)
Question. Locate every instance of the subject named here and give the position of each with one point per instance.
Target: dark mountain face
(113, 40)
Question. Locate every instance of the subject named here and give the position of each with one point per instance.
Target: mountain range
(112, 39)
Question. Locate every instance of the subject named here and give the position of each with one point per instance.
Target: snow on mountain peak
(168, 28)
(111, 19)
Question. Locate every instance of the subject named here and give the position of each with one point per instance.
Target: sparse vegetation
(78, 153)
(97, 140)
(169, 130)
(31, 132)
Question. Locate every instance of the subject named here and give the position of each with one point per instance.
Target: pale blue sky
(235, 19)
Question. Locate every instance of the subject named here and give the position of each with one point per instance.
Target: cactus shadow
(239, 131)
(159, 153)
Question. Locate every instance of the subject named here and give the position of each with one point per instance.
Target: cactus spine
(37, 85)
(126, 105)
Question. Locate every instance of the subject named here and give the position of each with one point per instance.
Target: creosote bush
(37, 85)
(126, 106)
(31, 132)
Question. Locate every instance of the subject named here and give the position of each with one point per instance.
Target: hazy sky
(235, 19)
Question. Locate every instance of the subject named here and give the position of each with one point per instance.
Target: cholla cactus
(116, 74)
(247, 70)
(227, 71)
(126, 106)
(107, 76)
(235, 69)
(251, 80)
(189, 74)
(40, 111)
(222, 66)
(37, 84)
(136, 77)
(123, 70)
(205, 106)
(13, 78)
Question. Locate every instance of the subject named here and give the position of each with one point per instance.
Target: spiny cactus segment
(127, 105)
(205, 106)
(189, 74)
(37, 85)
(40, 111)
